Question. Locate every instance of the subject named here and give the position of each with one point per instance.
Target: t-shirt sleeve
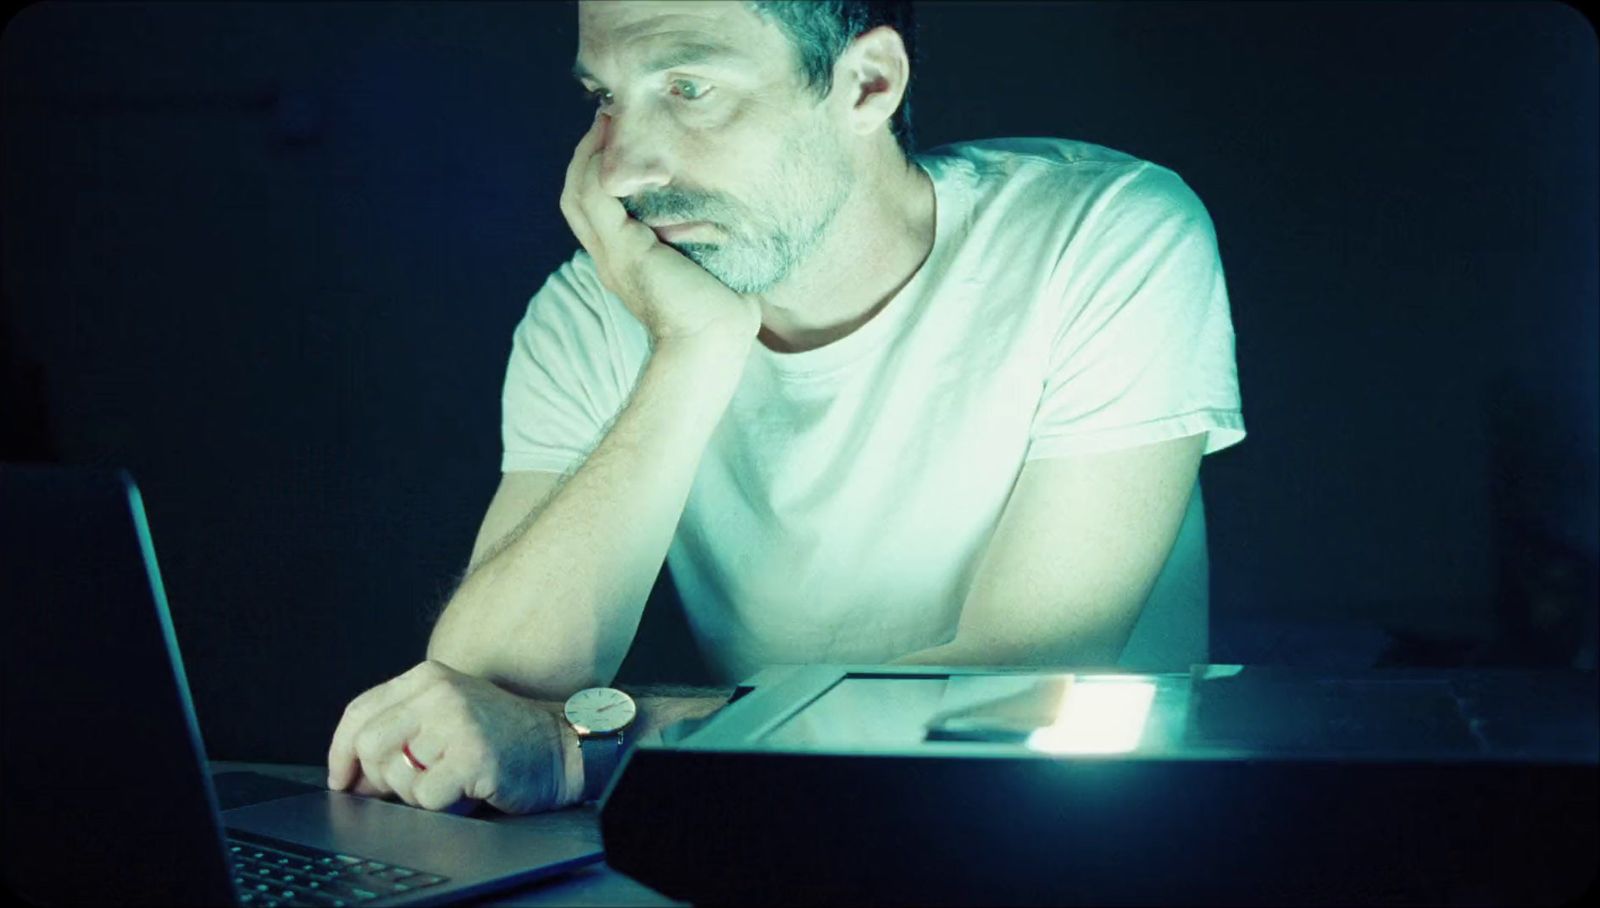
(573, 363)
(1144, 348)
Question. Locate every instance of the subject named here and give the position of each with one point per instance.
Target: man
(868, 408)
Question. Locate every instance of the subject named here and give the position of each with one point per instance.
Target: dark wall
(269, 257)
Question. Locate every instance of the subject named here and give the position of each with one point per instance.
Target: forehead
(617, 33)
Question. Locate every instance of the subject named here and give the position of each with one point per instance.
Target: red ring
(411, 757)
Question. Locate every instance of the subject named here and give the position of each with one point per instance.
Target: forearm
(555, 609)
(662, 707)
(968, 652)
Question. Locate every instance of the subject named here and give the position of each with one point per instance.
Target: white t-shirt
(1073, 302)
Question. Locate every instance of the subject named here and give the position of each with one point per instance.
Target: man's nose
(630, 161)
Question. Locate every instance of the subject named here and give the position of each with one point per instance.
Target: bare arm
(1073, 559)
(554, 608)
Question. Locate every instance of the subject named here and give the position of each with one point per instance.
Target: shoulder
(574, 281)
(572, 295)
(1040, 179)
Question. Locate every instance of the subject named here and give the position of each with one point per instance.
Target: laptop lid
(107, 798)
(103, 767)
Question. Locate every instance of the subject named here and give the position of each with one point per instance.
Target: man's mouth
(668, 232)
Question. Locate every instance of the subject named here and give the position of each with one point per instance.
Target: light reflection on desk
(873, 714)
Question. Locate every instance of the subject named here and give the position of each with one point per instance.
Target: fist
(674, 298)
(471, 742)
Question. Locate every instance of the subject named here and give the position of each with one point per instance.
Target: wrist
(714, 346)
(570, 779)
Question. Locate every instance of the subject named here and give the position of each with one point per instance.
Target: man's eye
(692, 93)
(695, 92)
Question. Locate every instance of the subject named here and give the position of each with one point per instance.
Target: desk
(597, 884)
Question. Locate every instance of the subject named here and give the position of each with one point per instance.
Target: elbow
(444, 645)
(449, 651)
(545, 655)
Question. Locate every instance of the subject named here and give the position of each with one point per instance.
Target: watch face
(600, 710)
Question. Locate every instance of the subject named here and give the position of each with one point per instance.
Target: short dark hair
(820, 30)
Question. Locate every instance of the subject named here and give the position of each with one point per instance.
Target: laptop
(106, 795)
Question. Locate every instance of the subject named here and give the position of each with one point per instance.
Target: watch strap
(601, 754)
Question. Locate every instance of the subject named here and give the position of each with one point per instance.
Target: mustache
(664, 208)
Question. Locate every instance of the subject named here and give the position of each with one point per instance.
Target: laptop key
(424, 879)
(394, 874)
(351, 894)
(374, 884)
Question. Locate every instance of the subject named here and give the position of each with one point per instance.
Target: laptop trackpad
(458, 847)
(242, 788)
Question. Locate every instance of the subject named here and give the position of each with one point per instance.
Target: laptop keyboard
(269, 872)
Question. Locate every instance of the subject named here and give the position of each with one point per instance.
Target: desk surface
(596, 884)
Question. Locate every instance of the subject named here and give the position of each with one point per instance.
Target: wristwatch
(600, 716)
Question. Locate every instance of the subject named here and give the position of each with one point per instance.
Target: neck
(879, 241)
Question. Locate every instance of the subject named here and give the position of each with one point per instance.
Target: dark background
(269, 258)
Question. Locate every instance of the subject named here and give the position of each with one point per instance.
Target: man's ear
(873, 73)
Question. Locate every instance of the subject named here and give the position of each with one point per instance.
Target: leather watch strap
(601, 754)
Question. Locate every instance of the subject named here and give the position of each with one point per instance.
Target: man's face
(726, 137)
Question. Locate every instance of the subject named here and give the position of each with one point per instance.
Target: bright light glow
(1097, 716)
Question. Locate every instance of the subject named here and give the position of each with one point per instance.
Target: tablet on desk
(981, 786)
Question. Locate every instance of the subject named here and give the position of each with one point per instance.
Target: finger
(374, 779)
(442, 786)
(428, 748)
(379, 741)
(587, 145)
(626, 235)
(368, 788)
(603, 211)
(400, 776)
(386, 732)
(342, 761)
(572, 186)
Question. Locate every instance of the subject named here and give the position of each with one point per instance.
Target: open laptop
(106, 794)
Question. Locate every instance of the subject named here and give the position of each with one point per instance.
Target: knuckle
(448, 699)
(433, 797)
(365, 744)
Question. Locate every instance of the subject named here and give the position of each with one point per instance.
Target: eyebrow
(682, 54)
